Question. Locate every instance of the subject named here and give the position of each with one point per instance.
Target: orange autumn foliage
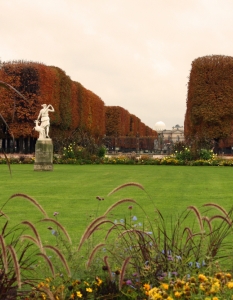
(209, 101)
(75, 106)
(117, 121)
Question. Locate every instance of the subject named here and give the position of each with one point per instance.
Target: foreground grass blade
(125, 185)
(33, 201)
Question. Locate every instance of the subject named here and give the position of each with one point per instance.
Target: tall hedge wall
(75, 106)
(210, 98)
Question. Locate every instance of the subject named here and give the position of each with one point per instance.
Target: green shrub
(101, 151)
(206, 154)
(68, 152)
(184, 154)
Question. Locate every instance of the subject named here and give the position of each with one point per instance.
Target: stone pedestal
(44, 155)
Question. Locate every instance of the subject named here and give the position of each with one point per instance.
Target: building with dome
(160, 126)
(167, 137)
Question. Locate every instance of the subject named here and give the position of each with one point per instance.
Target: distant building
(167, 137)
(160, 126)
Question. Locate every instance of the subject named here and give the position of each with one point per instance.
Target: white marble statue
(44, 120)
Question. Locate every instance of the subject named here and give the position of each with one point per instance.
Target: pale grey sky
(133, 53)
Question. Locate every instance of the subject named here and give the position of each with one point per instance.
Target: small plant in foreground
(20, 248)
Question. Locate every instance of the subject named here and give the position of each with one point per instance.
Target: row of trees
(210, 100)
(75, 106)
(119, 122)
(208, 114)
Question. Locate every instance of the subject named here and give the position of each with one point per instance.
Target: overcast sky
(132, 53)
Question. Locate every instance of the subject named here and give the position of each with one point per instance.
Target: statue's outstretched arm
(52, 109)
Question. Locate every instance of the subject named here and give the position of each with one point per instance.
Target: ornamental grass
(132, 258)
(23, 255)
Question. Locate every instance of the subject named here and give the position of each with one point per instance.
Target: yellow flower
(177, 294)
(43, 296)
(41, 284)
(89, 290)
(179, 283)
(153, 291)
(215, 298)
(165, 286)
(192, 279)
(154, 294)
(202, 287)
(186, 287)
(79, 295)
(99, 281)
(202, 278)
(215, 288)
(146, 286)
(76, 282)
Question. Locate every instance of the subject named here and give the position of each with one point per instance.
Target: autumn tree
(210, 98)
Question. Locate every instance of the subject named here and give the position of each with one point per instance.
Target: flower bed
(123, 159)
(199, 286)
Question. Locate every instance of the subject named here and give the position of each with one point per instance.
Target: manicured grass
(72, 189)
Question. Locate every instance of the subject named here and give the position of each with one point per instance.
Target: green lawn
(72, 189)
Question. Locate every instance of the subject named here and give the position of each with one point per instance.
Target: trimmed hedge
(209, 101)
